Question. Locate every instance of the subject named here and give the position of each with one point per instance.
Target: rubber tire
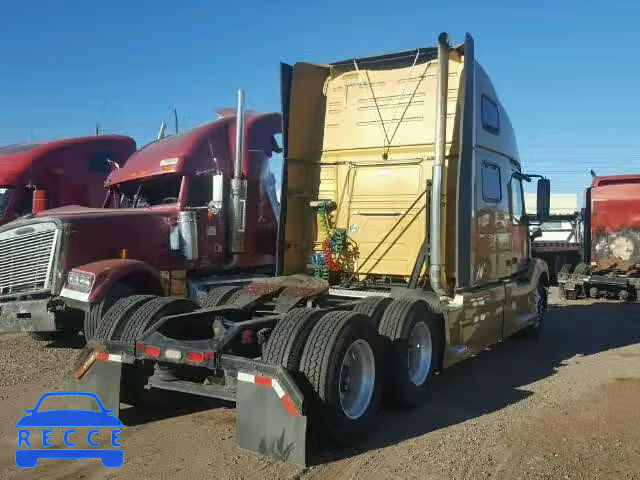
(97, 310)
(118, 315)
(536, 329)
(396, 326)
(150, 312)
(566, 268)
(581, 269)
(593, 292)
(320, 367)
(218, 296)
(373, 307)
(289, 337)
(239, 298)
(134, 378)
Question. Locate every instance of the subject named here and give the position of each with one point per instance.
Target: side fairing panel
(304, 147)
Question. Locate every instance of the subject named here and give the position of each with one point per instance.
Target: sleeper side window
(490, 116)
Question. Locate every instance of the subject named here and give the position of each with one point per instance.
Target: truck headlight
(80, 281)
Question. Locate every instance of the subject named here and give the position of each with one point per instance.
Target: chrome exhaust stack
(436, 263)
(238, 184)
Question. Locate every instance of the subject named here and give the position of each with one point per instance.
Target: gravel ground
(562, 406)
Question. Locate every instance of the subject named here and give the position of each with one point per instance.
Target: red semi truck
(174, 224)
(611, 241)
(40, 175)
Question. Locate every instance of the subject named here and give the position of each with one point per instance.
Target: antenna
(161, 132)
(175, 119)
(97, 129)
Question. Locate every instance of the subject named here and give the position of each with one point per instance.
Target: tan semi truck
(403, 249)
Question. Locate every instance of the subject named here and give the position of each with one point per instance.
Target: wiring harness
(334, 245)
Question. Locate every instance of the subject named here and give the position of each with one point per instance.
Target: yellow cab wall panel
(380, 202)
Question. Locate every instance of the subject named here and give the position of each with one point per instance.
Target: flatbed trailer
(408, 278)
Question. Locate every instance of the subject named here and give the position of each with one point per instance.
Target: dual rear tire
(345, 359)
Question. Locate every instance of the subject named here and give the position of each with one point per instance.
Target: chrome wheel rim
(419, 353)
(357, 379)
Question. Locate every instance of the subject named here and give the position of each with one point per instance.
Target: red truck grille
(26, 258)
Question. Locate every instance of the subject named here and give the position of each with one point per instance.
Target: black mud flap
(101, 377)
(270, 418)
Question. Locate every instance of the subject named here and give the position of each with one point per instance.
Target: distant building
(560, 231)
(561, 203)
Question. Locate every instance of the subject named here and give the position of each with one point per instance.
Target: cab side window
(516, 201)
(200, 190)
(491, 183)
(24, 202)
(99, 162)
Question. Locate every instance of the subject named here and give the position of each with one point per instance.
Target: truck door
(484, 304)
(518, 224)
(493, 248)
(211, 232)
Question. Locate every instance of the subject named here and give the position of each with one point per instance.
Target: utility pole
(175, 119)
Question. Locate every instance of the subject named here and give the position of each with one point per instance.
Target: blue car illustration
(67, 418)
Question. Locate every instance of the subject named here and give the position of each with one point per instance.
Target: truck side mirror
(536, 233)
(217, 193)
(543, 198)
(39, 201)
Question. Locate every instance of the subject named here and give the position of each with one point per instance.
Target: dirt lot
(564, 406)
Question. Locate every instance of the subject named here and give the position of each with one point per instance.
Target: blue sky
(566, 72)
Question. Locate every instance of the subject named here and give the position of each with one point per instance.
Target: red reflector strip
(289, 406)
(264, 381)
(272, 383)
(152, 351)
(139, 346)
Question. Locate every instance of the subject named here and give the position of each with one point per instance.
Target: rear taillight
(152, 351)
(195, 357)
(199, 357)
(102, 356)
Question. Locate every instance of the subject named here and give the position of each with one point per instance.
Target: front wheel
(541, 299)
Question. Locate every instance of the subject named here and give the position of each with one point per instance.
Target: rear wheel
(149, 313)
(373, 307)
(342, 364)
(581, 269)
(98, 310)
(566, 268)
(218, 296)
(134, 378)
(289, 336)
(118, 315)
(413, 332)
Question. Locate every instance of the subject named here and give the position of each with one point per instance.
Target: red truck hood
(93, 234)
(76, 212)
